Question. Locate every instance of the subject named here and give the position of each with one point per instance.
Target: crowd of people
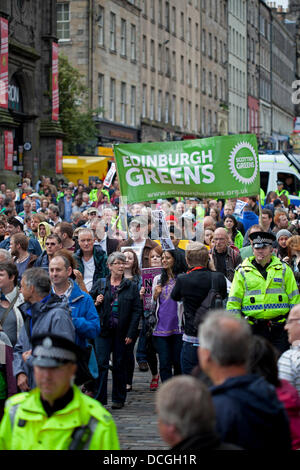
(72, 260)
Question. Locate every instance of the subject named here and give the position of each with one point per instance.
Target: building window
(167, 62)
(203, 81)
(132, 105)
(123, 103)
(152, 54)
(101, 95)
(152, 114)
(167, 16)
(160, 12)
(196, 76)
(189, 73)
(203, 121)
(160, 61)
(133, 43)
(173, 110)
(144, 7)
(181, 114)
(152, 11)
(144, 51)
(209, 45)
(182, 24)
(112, 99)
(159, 105)
(189, 30)
(144, 101)
(123, 38)
(197, 36)
(209, 84)
(101, 26)
(196, 123)
(189, 115)
(63, 21)
(167, 107)
(173, 21)
(203, 41)
(174, 65)
(112, 32)
(182, 69)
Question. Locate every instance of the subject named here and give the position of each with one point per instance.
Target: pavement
(137, 421)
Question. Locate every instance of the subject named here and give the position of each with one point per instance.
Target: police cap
(50, 350)
(261, 239)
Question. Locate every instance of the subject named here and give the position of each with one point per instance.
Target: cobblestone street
(137, 421)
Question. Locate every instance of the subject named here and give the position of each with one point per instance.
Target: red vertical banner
(3, 63)
(9, 150)
(55, 89)
(59, 155)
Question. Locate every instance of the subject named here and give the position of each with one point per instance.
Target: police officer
(264, 290)
(56, 415)
(280, 191)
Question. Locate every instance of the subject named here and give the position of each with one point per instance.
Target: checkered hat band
(54, 353)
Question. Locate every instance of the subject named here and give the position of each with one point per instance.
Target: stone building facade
(143, 63)
(283, 75)
(237, 66)
(27, 117)
(253, 66)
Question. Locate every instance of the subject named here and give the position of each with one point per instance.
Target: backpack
(212, 301)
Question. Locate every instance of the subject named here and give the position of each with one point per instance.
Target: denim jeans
(103, 348)
(168, 349)
(189, 357)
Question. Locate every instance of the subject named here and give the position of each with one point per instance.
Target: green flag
(223, 167)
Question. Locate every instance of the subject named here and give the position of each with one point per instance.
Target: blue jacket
(42, 261)
(84, 315)
(249, 218)
(248, 414)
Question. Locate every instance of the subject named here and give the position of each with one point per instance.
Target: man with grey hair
(186, 415)
(248, 412)
(43, 312)
(91, 258)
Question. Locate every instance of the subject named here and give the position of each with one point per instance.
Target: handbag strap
(9, 308)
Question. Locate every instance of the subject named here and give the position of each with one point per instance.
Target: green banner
(223, 167)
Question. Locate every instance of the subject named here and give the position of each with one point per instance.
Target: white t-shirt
(89, 269)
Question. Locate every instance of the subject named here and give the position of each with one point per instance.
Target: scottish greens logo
(243, 163)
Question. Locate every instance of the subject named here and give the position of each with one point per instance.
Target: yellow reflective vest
(254, 297)
(26, 426)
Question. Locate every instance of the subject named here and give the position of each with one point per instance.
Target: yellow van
(85, 168)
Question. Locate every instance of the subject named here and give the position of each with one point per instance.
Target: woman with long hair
(235, 236)
(155, 261)
(293, 247)
(167, 334)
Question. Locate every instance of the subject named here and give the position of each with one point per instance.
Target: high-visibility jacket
(283, 192)
(94, 194)
(26, 426)
(254, 297)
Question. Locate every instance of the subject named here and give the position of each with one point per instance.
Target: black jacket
(129, 307)
(206, 441)
(192, 288)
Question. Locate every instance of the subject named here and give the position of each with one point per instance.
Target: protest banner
(222, 166)
(148, 274)
(109, 177)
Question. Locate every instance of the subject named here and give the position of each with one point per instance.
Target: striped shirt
(289, 366)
